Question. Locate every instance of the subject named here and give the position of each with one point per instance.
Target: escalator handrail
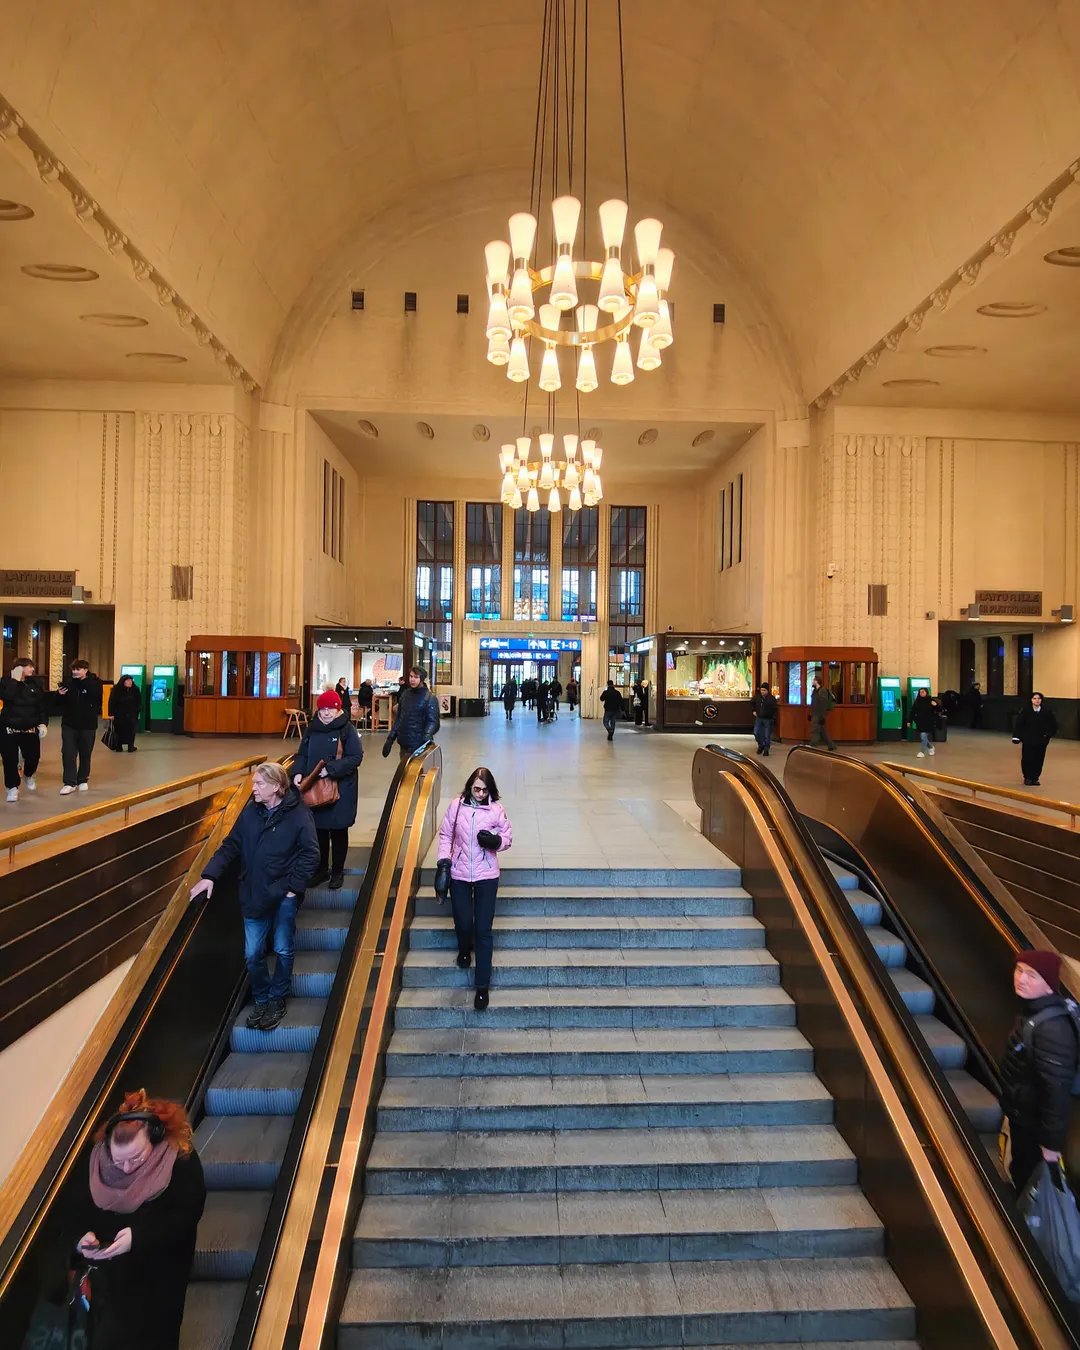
(1070, 809)
(1005, 1238)
(82, 1097)
(271, 1287)
(25, 834)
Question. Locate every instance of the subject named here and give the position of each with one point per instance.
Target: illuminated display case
(240, 685)
(698, 681)
(849, 673)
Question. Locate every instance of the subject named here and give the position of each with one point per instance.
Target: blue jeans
(925, 737)
(763, 732)
(256, 931)
(609, 723)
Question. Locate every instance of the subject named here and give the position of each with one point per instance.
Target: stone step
(641, 901)
(266, 1084)
(321, 929)
(890, 949)
(594, 1227)
(663, 1051)
(980, 1105)
(676, 1303)
(948, 1048)
(313, 974)
(297, 1031)
(603, 1006)
(242, 1153)
(917, 995)
(553, 879)
(229, 1234)
(556, 933)
(523, 1162)
(576, 1102)
(609, 966)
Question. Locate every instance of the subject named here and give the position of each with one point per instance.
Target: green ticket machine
(162, 696)
(914, 684)
(138, 674)
(890, 708)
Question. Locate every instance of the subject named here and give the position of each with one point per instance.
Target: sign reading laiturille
(37, 585)
(1019, 604)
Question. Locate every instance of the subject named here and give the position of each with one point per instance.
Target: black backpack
(1068, 1009)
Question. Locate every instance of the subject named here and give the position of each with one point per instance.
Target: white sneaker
(921, 755)
(932, 750)
(84, 787)
(66, 790)
(13, 794)
(31, 783)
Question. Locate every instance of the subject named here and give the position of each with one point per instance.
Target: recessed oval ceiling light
(910, 384)
(158, 358)
(593, 434)
(1012, 309)
(428, 432)
(14, 210)
(703, 437)
(648, 436)
(954, 350)
(60, 272)
(115, 320)
(481, 432)
(369, 429)
(1064, 257)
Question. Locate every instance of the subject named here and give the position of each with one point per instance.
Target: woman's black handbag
(109, 739)
(442, 878)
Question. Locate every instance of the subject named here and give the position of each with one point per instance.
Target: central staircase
(629, 1148)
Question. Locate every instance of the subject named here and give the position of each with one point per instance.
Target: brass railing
(1070, 809)
(10, 840)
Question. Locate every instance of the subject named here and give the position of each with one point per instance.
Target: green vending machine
(890, 708)
(914, 684)
(162, 697)
(138, 674)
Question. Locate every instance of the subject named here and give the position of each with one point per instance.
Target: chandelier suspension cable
(541, 121)
(622, 100)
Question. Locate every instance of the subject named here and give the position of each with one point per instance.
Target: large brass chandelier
(529, 300)
(576, 471)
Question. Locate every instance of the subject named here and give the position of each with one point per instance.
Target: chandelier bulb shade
(587, 380)
(648, 357)
(588, 483)
(549, 316)
(498, 324)
(588, 448)
(622, 368)
(547, 444)
(517, 368)
(547, 476)
(598, 489)
(575, 499)
(550, 380)
(647, 304)
(498, 352)
(564, 284)
(612, 295)
(565, 214)
(515, 501)
(571, 477)
(597, 456)
(524, 444)
(522, 236)
(587, 317)
(497, 256)
(532, 502)
(508, 487)
(660, 334)
(523, 478)
(665, 261)
(554, 501)
(520, 306)
(613, 222)
(506, 458)
(647, 238)
(570, 446)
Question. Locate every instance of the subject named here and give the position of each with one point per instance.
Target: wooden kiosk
(850, 673)
(240, 685)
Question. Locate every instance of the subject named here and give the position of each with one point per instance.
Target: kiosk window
(273, 674)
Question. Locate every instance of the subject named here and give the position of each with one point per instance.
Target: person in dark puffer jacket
(23, 724)
(1038, 1067)
(417, 718)
(330, 730)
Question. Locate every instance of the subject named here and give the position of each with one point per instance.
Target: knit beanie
(1046, 964)
(328, 699)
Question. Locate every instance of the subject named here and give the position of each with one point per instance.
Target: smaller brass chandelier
(577, 473)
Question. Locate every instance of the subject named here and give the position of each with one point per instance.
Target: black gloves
(488, 839)
(442, 878)
(387, 747)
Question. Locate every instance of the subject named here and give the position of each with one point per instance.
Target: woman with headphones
(138, 1218)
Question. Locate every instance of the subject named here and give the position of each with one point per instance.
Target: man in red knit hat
(1039, 1066)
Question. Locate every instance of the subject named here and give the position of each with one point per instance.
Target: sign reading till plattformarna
(37, 585)
(1021, 604)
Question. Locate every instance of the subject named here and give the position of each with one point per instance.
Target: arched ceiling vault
(842, 156)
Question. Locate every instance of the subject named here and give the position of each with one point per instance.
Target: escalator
(252, 1097)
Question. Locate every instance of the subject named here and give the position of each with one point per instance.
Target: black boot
(321, 877)
(337, 880)
(255, 1016)
(480, 1002)
(275, 1011)
(464, 960)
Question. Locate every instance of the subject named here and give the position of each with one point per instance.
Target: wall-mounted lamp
(972, 611)
(1064, 614)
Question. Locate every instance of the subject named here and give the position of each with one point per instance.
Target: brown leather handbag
(318, 791)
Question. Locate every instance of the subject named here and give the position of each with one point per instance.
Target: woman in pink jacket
(474, 832)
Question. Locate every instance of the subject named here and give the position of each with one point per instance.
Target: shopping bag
(1049, 1208)
(108, 737)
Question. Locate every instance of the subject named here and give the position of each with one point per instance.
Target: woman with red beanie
(1039, 1066)
(332, 741)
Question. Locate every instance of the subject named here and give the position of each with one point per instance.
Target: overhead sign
(1021, 604)
(529, 644)
(37, 585)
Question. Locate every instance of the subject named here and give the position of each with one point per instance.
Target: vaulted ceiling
(841, 156)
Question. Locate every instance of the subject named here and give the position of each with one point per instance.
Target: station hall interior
(682, 391)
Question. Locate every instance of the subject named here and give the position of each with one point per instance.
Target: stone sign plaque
(37, 585)
(1018, 604)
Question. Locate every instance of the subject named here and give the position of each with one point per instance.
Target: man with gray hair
(275, 843)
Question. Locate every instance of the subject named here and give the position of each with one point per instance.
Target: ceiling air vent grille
(358, 299)
(877, 601)
(463, 304)
(718, 313)
(410, 302)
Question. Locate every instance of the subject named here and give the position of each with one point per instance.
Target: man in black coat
(1034, 726)
(80, 708)
(766, 710)
(1038, 1067)
(23, 724)
(275, 843)
(417, 717)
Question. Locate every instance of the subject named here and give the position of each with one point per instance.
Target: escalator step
(324, 898)
(229, 1234)
(242, 1153)
(297, 1031)
(322, 929)
(211, 1312)
(264, 1084)
(947, 1047)
(313, 974)
(917, 995)
(847, 881)
(890, 949)
(980, 1105)
(867, 909)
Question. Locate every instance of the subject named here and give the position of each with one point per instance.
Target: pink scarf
(123, 1192)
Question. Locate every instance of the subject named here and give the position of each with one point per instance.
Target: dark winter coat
(765, 706)
(125, 701)
(138, 1298)
(24, 704)
(277, 851)
(612, 701)
(417, 718)
(80, 705)
(509, 693)
(555, 691)
(1034, 728)
(343, 693)
(821, 701)
(924, 712)
(1036, 1083)
(321, 742)
(365, 696)
(572, 693)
